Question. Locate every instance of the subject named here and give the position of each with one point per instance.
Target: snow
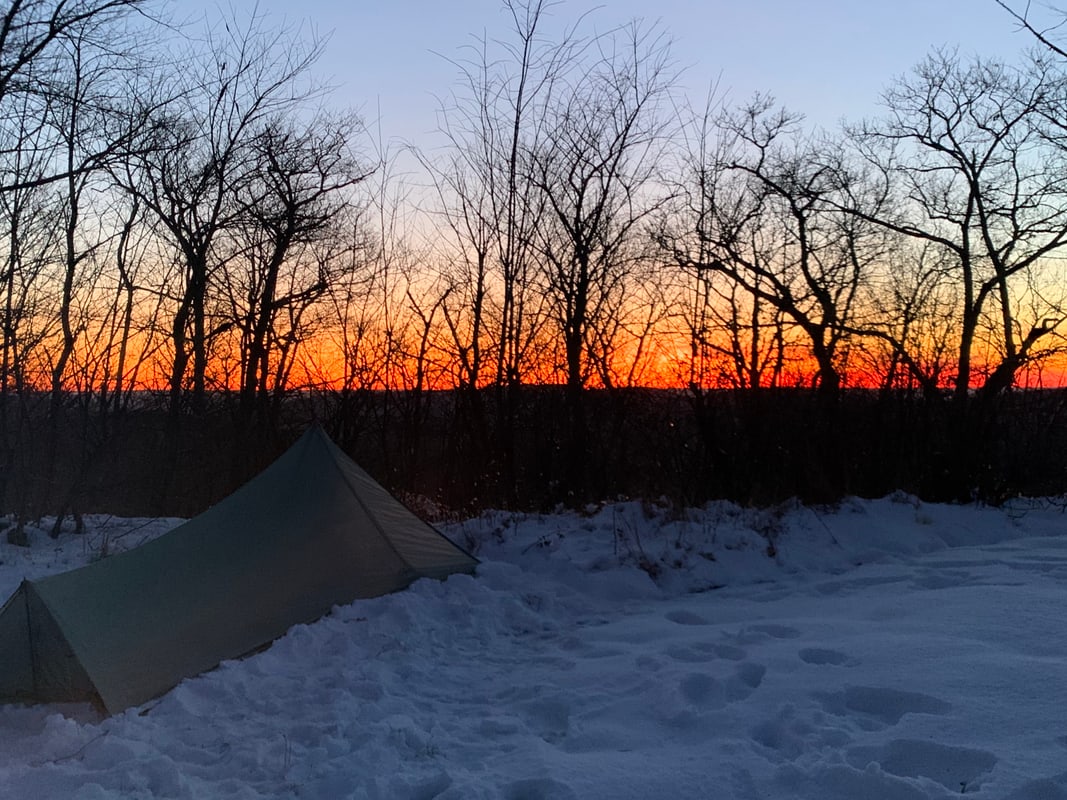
(885, 649)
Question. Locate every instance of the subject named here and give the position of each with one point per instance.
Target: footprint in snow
(754, 634)
(689, 654)
(847, 586)
(686, 618)
(956, 768)
(548, 718)
(746, 679)
(729, 652)
(702, 690)
(820, 656)
(869, 705)
(538, 789)
(952, 579)
(790, 733)
(699, 652)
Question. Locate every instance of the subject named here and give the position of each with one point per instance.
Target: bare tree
(492, 209)
(760, 213)
(297, 192)
(32, 37)
(92, 129)
(904, 322)
(735, 339)
(965, 164)
(60, 123)
(1046, 35)
(31, 236)
(196, 157)
(597, 176)
(621, 347)
(130, 311)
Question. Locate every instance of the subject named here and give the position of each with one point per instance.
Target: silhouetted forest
(587, 285)
(757, 447)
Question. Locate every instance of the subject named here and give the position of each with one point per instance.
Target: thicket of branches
(199, 254)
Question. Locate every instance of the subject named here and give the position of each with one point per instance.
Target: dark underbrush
(537, 449)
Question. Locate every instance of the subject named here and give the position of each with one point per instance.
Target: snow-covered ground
(883, 649)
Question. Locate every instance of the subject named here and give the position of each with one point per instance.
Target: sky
(828, 59)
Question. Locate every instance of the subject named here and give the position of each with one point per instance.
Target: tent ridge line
(330, 448)
(34, 658)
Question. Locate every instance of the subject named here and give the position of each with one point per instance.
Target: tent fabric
(310, 532)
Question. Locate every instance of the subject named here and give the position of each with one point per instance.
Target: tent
(310, 532)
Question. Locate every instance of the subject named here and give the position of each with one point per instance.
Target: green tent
(310, 532)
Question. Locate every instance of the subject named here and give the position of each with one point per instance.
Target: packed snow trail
(874, 656)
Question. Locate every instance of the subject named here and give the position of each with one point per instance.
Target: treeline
(191, 233)
(759, 448)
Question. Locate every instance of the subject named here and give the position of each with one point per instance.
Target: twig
(75, 754)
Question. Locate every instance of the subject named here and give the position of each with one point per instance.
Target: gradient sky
(828, 59)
